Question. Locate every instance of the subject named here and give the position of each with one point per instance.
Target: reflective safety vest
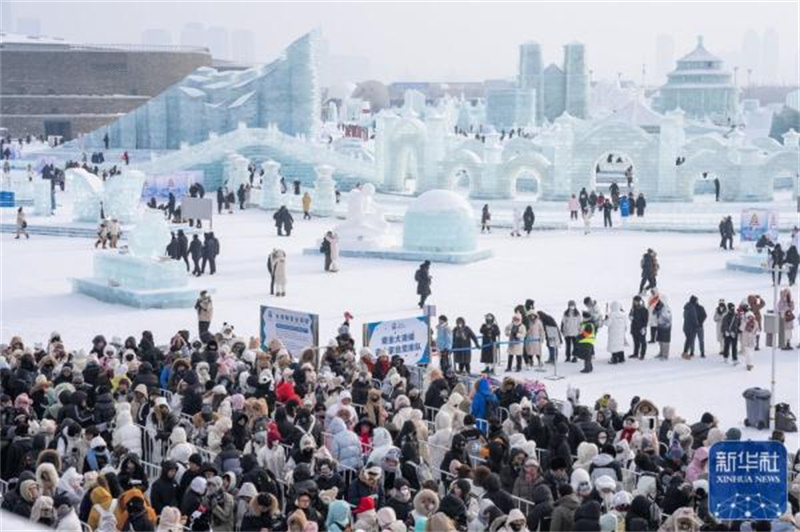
(588, 333)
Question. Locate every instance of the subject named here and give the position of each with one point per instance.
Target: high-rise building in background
(193, 34)
(28, 26)
(217, 41)
(751, 58)
(770, 60)
(157, 36)
(665, 58)
(6, 17)
(243, 46)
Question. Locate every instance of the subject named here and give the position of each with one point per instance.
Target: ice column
(41, 198)
(324, 191)
(271, 185)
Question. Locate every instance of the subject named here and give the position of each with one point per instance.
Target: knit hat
(605, 483)
(97, 442)
(733, 434)
(196, 459)
(622, 498)
(364, 504)
(199, 485)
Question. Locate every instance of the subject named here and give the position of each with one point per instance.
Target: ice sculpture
(439, 226)
(150, 236)
(141, 276)
(119, 197)
(324, 191)
(42, 199)
(236, 172)
(440, 221)
(365, 226)
(271, 185)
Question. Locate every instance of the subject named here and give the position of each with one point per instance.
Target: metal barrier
(153, 471)
(85, 527)
(524, 505)
(503, 413)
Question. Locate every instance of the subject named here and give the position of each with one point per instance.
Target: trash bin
(757, 400)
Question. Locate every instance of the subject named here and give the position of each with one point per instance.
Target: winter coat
(484, 401)
(462, 336)
(345, 447)
(617, 324)
(571, 324)
(205, 308)
(604, 464)
(423, 279)
(664, 324)
(541, 514)
(563, 517)
(442, 439)
(127, 434)
(749, 329)
(691, 318)
(444, 337)
(698, 466)
(278, 265)
(639, 318)
(516, 336)
(587, 517)
(786, 310)
(534, 336)
(164, 491)
(490, 333)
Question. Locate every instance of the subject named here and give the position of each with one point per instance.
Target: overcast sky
(447, 41)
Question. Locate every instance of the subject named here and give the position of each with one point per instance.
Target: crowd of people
(216, 432)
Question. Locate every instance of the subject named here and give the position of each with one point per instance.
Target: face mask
(516, 526)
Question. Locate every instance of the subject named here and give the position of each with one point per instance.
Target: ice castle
(542, 93)
(285, 92)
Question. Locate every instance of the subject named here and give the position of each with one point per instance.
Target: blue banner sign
(748, 480)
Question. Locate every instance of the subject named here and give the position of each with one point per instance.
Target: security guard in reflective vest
(586, 340)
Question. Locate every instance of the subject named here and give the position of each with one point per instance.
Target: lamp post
(776, 328)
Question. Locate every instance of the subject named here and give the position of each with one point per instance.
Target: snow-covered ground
(550, 267)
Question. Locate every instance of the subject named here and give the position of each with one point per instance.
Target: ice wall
(285, 92)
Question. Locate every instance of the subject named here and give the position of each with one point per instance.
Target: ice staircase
(298, 157)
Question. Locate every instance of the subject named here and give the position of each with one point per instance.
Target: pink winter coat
(697, 467)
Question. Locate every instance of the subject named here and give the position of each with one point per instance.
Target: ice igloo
(440, 221)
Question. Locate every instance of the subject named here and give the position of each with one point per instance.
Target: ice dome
(440, 221)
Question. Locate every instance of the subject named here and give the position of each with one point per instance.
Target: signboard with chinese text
(407, 338)
(160, 185)
(747, 480)
(297, 330)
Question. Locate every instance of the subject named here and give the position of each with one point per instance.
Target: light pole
(776, 330)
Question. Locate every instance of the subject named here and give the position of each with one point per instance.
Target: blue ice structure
(285, 92)
(441, 223)
(140, 276)
(117, 198)
(271, 185)
(324, 191)
(439, 226)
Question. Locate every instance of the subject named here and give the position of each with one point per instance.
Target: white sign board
(297, 330)
(407, 338)
(197, 208)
